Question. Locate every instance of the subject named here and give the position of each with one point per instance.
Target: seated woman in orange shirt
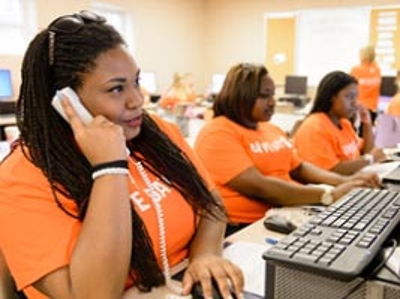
(393, 108)
(327, 138)
(251, 161)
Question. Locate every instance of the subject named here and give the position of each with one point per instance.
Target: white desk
(286, 121)
(8, 119)
(381, 168)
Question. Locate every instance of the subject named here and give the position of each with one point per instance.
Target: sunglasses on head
(75, 22)
(70, 24)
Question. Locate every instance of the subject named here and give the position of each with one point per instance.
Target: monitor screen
(6, 91)
(388, 86)
(217, 80)
(296, 85)
(148, 81)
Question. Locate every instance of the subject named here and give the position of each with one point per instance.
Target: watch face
(327, 198)
(369, 158)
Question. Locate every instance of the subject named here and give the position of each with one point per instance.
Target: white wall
(170, 37)
(168, 34)
(235, 28)
(198, 36)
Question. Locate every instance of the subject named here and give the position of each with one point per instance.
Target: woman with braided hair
(81, 218)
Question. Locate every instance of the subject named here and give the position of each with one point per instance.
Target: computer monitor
(388, 86)
(6, 90)
(295, 85)
(217, 80)
(148, 81)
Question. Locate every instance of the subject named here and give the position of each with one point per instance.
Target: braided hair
(49, 143)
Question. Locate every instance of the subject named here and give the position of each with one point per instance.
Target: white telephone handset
(75, 102)
(83, 113)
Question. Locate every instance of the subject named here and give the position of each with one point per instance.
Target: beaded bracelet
(111, 164)
(109, 170)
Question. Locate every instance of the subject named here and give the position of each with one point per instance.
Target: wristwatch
(327, 198)
(369, 158)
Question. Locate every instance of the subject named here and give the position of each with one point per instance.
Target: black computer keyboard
(345, 238)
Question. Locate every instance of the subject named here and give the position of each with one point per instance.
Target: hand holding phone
(363, 114)
(76, 103)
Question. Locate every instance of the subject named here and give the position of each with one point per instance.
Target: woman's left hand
(203, 268)
(365, 116)
(378, 154)
(370, 179)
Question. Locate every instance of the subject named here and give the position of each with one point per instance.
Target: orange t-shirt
(37, 237)
(369, 83)
(320, 142)
(227, 149)
(393, 108)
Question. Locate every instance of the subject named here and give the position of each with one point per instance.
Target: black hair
(239, 93)
(51, 146)
(330, 85)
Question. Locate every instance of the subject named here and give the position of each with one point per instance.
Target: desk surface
(7, 119)
(381, 168)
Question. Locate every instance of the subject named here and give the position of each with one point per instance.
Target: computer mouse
(279, 224)
(197, 291)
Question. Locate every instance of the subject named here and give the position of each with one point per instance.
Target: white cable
(161, 230)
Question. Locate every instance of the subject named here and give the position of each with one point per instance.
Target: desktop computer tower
(287, 281)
